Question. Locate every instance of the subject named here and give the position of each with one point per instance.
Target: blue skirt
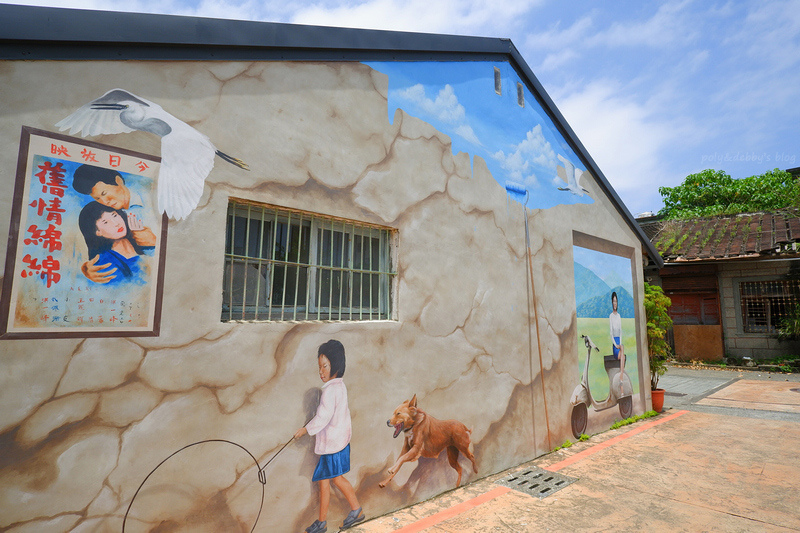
(614, 348)
(332, 465)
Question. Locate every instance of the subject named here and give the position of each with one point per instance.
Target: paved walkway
(722, 457)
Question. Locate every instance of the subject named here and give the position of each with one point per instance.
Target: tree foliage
(656, 304)
(713, 192)
(789, 328)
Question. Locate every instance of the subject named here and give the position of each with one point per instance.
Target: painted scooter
(582, 396)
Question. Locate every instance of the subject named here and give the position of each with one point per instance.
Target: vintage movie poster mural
(489, 112)
(87, 255)
(607, 355)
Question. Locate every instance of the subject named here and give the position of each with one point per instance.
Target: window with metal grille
(766, 303)
(283, 264)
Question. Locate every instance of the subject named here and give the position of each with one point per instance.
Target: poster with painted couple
(87, 244)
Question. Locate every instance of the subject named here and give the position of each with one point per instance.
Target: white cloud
(557, 39)
(558, 59)
(625, 138)
(445, 108)
(444, 16)
(669, 24)
(534, 150)
(224, 9)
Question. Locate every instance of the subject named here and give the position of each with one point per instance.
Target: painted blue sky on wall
(520, 144)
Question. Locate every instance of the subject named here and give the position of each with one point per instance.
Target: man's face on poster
(115, 196)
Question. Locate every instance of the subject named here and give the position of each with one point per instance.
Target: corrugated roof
(726, 237)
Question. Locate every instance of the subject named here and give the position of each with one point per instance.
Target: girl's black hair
(614, 295)
(334, 351)
(87, 222)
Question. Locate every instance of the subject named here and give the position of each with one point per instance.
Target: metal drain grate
(537, 482)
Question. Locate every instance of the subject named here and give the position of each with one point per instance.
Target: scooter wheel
(625, 407)
(579, 418)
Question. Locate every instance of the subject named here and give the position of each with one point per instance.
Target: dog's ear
(413, 402)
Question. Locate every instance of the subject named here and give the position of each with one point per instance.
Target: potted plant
(656, 304)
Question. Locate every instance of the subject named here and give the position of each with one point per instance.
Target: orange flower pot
(658, 399)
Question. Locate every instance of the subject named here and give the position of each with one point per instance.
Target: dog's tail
(471, 449)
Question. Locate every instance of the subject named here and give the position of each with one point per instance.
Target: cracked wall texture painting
(395, 177)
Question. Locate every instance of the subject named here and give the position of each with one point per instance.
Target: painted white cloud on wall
(534, 150)
(444, 107)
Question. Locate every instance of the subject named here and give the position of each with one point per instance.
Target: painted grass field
(598, 330)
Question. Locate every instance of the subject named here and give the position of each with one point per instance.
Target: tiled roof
(726, 237)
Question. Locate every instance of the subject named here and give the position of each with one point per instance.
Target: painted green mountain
(588, 285)
(600, 306)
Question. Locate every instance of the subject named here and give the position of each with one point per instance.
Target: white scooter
(582, 396)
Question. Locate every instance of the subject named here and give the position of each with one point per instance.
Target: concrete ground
(723, 456)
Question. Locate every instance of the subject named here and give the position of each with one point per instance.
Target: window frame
(745, 301)
(309, 266)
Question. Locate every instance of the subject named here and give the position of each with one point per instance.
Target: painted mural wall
(196, 422)
(606, 307)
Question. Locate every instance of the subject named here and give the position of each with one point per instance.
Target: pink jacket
(331, 425)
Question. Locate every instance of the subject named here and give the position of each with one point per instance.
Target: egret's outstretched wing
(187, 157)
(88, 121)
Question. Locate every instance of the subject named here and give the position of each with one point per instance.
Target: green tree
(656, 304)
(713, 192)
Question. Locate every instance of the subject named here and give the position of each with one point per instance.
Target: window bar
(330, 285)
(230, 282)
(369, 251)
(246, 256)
(286, 260)
(352, 240)
(260, 263)
(385, 276)
(379, 275)
(387, 286)
(341, 269)
(313, 271)
(271, 261)
(320, 238)
(361, 284)
(297, 268)
(381, 268)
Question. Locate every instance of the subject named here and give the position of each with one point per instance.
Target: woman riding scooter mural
(603, 283)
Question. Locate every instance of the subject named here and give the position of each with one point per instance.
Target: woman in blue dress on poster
(108, 235)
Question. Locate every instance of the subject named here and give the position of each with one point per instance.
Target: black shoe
(353, 518)
(317, 527)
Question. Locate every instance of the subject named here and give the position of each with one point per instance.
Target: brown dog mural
(426, 436)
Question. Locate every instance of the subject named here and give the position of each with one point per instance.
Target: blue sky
(519, 143)
(654, 90)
